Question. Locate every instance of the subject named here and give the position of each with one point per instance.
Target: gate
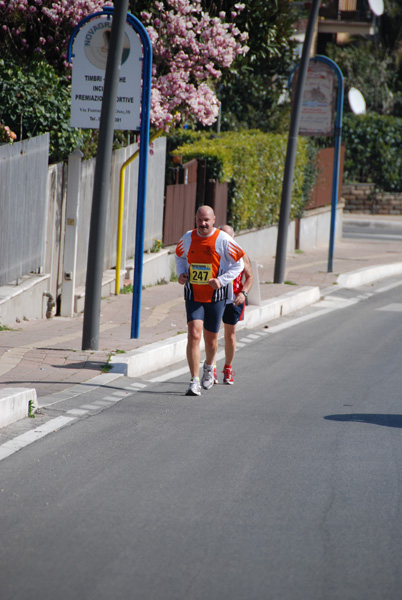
(190, 191)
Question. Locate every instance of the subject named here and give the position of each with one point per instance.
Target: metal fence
(33, 199)
(23, 202)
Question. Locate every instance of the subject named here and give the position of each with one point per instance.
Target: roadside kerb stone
(368, 275)
(14, 404)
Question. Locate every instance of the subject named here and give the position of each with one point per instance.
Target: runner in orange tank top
(207, 261)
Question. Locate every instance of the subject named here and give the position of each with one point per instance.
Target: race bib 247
(200, 273)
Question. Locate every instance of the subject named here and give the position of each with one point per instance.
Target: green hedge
(373, 153)
(253, 163)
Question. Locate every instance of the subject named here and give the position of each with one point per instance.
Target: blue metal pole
(337, 154)
(142, 176)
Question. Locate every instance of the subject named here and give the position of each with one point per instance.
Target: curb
(368, 275)
(372, 222)
(15, 404)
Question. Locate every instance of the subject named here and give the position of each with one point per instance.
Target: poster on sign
(89, 57)
(318, 106)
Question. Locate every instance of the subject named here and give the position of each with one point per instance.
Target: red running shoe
(215, 375)
(228, 375)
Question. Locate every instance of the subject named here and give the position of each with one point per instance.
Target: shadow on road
(371, 419)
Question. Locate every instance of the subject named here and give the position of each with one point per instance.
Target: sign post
(111, 99)
(280, 259)
(324, 84)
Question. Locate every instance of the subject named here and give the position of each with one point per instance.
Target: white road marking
(395, 307)
(102, 403)
(29, 437)
(293, 322)
(167, 376)
(388, 287)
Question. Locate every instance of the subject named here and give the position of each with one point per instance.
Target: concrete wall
(315, 227)
(314, 232)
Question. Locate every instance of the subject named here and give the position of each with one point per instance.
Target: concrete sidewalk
(41, 359)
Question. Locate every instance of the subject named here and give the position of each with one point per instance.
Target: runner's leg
(194, 333)
(230, 343)
(211, 346)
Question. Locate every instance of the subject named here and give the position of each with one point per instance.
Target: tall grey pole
(280, 260)
(96, 245)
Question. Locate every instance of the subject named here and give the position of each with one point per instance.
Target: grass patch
(127, 289)
(6, 328)
(107, 367)
(31, 409)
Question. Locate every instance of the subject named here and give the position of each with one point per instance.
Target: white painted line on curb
(78, 412)
(29, 437)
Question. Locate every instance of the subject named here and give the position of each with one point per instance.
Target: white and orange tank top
(204, 258)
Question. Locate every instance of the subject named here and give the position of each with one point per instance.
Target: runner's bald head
(228, 229)
(205, 220)
(204, 210)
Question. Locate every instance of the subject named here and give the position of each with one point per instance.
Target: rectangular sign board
(89, 54)
(318, 106)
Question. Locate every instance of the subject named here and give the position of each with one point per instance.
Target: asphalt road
(372, 230)
(287, 485)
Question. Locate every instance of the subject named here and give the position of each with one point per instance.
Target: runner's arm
(247, 283)
(181, 262)
(233, 271)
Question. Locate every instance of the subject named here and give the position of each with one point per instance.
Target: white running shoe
(208, 378)
(194, 389)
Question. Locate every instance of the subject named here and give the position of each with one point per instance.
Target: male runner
(207, 261)
(234, 312)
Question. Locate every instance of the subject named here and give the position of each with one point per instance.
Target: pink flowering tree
(190, 51)
(42, 28)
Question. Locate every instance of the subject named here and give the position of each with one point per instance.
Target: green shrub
(34, 100)
(253, 163)
(373, 152)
